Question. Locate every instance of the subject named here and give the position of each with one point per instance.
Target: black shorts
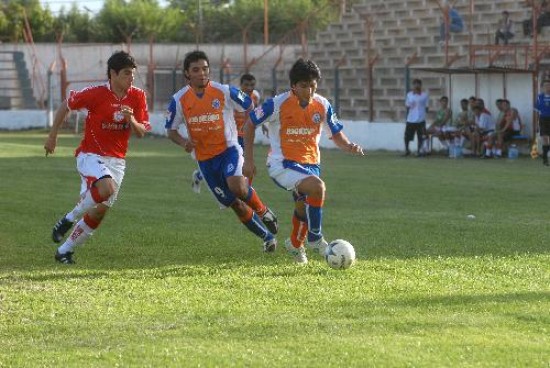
(412, 128)
(509, 134)
(544, 125)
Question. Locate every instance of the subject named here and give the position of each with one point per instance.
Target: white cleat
(270, 245)
(196, 181)
(299, 254)
(319, 246)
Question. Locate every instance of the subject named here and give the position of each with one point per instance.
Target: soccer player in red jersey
(296, 119)
(206, 110)
(115, 110)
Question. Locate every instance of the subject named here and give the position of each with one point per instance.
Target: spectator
(485, 130)
(452, 22)
(442, 121)
(507, 127)
(505, 29)
(463, 124)
(417, 106)
(543, 19)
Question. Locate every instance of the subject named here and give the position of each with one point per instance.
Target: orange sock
(254, 202)
(247, 216)
(299, 231)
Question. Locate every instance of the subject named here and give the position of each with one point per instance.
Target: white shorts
(288, 179)
(92, 167)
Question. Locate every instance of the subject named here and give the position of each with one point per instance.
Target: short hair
(464, 100)
(120, 60)
(444, 98)
(247, 77)
(499, 100)
(472, 98)
(194, 56)
(417, 81)
(304, 70)
(505, 12)
(480, 102)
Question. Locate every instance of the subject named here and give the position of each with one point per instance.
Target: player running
(296, 119)
(115, 110)
(206, 110)
(247, 85)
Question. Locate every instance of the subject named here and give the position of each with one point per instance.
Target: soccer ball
(340, 254)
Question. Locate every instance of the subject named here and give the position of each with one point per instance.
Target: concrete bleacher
(16, 91)
(401, 29)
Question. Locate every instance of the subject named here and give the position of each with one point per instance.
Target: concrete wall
(372, 136)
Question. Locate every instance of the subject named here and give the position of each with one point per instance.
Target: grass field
(171, 281)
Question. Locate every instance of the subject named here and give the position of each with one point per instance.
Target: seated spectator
(452, 23)
(441, 123)
(505, 29)
(509, 126)
(485, 130)
(463, 124)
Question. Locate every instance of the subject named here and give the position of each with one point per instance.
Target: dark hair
(304, 71)
(192, 57)
(444, 98)
(120, 60)
(480, 102)
(247, 77)
(505, 12)
(416, 81)
(472, 98)
(499, 100)
(464, 100)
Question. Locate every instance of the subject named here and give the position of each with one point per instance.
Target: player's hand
(356, 149)
(127, 111)
(189, 146)
(249, 169)
(50, 144)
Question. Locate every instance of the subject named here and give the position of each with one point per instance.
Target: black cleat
(65, 258)
(60, 229)
(270, 245)
(270, 221)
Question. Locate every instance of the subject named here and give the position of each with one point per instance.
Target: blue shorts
(216, 170)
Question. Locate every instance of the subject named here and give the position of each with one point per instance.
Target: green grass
(171, 281)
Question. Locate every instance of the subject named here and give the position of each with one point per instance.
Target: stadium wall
(372, 136)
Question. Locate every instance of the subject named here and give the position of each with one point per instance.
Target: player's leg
(298, 235)
(240, 187)
(83, 229)
(96, 187)
(196, 178)
(314, 190)
(213, 173)
(409, 135)
(108, 188)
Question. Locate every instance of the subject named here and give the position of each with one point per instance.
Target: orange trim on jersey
(301, 129)
(205, 123)
(315, 202)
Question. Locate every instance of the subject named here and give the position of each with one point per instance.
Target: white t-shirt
(485, 122)
(416, 103)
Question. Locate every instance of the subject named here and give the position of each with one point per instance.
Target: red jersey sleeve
(83, 99)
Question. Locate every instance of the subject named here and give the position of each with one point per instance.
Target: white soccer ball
(340, 254)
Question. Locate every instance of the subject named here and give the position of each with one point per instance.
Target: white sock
(80, 233)
(86, 202)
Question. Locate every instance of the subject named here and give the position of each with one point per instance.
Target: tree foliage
(204, 21)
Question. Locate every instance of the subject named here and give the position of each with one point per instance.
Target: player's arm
(249, 168)
(342, 142)
(338, 137)
(138, 128)
(60, 116)
(173, 120)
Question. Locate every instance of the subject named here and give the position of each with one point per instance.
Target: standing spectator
(417, 106)
(543, 19)
(542, 107)
(116, 109)
(505, 29)
(452, 22)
